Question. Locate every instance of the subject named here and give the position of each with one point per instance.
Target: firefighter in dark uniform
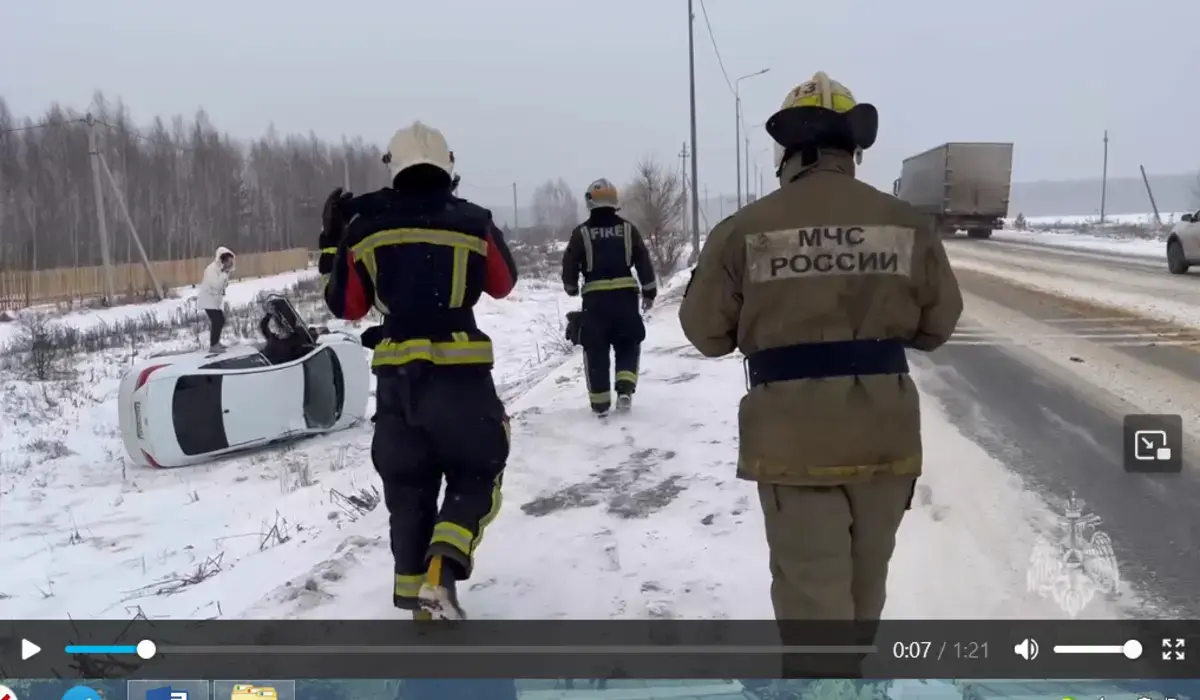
(422, 257)
(602, 250)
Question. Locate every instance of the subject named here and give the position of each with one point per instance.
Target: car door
(262, 404)
(1189, 236)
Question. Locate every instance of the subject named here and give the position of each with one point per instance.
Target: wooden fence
(19, 289)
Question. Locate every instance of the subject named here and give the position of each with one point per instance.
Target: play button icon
(29, 650)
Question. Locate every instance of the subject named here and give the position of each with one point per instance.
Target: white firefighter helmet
(418, 144)
(601, 193)
(819, 91)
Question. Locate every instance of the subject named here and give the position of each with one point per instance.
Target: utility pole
(683, 159)
(101, 223)
(345, 165)
(737, 143)
(1150, 194)
(516, 216)
(737, 130)
(158, 288)
(1104, 179)
(692, 83)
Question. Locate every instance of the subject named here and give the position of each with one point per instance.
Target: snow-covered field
(240, 292)
(640, 516)
(1140, 219)
(88, 536)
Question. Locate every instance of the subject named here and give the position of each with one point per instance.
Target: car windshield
(324, 389)
(196, 413)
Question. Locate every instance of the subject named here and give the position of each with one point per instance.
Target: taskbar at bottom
(556, 689)
(295, 662)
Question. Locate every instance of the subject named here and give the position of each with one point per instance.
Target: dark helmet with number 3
(821, 114)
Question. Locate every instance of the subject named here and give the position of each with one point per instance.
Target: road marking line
(1085, 319)
(1119, 344)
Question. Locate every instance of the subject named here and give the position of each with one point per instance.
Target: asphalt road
(1063, 433)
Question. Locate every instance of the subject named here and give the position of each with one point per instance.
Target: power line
(717, 51)
(41, 125)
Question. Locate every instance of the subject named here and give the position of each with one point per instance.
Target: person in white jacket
(211, 295)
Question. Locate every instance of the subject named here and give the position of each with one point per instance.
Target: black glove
(571, 291)
(648, 296)
(333, 217)
(372, 337)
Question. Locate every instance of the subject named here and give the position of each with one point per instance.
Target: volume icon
(1027, 649)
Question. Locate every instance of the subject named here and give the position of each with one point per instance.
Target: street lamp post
(737, 126)
(695, 152)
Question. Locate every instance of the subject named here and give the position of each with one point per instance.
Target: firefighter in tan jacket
(823, 284)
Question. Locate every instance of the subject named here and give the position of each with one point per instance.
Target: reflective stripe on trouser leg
(595, 374)
(408, 585)
(625, 361)
(462, 540)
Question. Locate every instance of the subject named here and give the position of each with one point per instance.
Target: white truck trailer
(962, 186)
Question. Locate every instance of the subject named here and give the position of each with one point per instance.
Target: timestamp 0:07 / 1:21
(936, 651)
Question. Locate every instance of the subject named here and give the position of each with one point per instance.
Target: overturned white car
(185, 408)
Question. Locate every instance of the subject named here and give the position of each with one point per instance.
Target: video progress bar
(505, 650)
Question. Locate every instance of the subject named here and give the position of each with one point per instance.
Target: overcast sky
(531, 89)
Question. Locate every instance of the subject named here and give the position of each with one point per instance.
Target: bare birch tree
(655, 203)
(555, 211)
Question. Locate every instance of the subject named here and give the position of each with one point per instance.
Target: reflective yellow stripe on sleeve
(455, 352)
(608, 285)
(329, 251)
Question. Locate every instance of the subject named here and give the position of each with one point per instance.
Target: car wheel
(1176, 263)
(979, 233)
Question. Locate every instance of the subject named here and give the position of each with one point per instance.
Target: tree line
(188, 187)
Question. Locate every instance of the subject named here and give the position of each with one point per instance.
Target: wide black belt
(841, 358)
(440, 322)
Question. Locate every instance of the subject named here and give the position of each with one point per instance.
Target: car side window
(245, 362)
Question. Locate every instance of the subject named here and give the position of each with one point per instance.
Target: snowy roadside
(1152, 294)
(641, 516)
(1081, 220)
(88, 536)
(1076, 240)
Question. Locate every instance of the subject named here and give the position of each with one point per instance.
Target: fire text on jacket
(821, 251)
